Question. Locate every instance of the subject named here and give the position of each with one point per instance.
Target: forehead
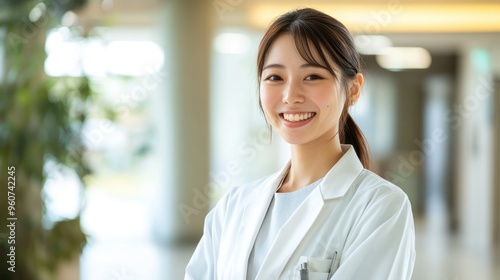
(283, 50)
(283, 47)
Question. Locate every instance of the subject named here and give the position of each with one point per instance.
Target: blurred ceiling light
(398, 58)
(92, 57)
(371, 44)
(232, 43)
(376, 17)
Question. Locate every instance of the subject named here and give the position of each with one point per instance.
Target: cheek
(267, 99)
(331, 104)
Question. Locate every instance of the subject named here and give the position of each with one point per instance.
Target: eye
(273, 78)
(313, 77)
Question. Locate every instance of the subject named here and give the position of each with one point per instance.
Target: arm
(381, 246)
(203, 263)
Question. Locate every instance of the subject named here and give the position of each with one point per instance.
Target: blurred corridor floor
(441, 255)
(123, 249)
(133, 261)
(438, 258)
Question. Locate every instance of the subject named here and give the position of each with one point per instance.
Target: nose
(292, 94)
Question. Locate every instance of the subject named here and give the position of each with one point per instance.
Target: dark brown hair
(312, 31)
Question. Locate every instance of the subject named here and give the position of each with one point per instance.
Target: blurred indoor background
(167, 121)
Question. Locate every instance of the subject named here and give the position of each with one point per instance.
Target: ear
(355, 89)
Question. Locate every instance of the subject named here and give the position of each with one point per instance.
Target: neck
(310, 163)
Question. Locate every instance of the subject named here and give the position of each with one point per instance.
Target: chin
(294, 140)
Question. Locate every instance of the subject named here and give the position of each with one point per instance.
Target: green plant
(35, 127)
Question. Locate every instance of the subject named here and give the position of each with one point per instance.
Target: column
(471, 116)
(184, 201)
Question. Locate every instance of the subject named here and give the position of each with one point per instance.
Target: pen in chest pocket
(332, 266)
(304, 272)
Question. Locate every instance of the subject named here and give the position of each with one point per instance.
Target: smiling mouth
(297, 117)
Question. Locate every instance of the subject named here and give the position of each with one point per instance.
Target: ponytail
(350, 133)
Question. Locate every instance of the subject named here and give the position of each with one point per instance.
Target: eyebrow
(305, 65)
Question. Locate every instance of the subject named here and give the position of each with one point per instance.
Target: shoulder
(371, 183)
(377, 202)
(375, 190)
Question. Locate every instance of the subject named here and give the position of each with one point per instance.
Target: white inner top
(281, 208)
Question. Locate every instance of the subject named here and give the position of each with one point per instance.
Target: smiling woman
(324, 215)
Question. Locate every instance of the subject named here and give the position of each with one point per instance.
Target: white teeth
(297, 117)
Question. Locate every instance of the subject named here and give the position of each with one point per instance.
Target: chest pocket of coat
(319, 268)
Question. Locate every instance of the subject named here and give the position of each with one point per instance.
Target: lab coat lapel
(253, 217)
(290, 236)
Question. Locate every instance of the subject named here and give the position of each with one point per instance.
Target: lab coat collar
(335, 183)
(341, 176)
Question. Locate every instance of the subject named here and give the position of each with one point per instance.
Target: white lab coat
(354, 222)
